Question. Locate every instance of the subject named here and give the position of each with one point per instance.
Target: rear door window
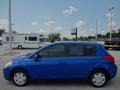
(76, 50)
(82, 50)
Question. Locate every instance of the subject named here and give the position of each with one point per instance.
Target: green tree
(118, 34)
(91, 37)
(65, 39)
(14, 32)
(107, 34)
(1, 31)
(54, 37)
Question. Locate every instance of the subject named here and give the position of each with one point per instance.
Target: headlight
(8, 64)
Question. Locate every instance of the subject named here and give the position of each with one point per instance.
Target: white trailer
(25, 40)
(0, 40)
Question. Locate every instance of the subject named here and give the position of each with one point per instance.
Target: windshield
(28, 54)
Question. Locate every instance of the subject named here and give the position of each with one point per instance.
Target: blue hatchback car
(63, 60)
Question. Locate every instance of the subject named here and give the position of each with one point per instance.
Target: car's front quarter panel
(20, 63)
(6, 72)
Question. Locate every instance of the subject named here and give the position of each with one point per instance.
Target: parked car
(63, 60)
(114, 43)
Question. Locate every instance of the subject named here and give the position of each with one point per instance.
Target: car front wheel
(20, 78)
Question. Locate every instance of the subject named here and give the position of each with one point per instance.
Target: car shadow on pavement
(59, 83)
(62, 83)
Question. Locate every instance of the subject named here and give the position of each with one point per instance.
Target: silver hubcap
(98, 79)
(19, 78)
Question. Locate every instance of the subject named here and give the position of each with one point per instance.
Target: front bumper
(7, 73)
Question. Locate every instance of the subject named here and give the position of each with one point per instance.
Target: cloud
(92, 31)
(58, 28)
(70, 10)
(43, 31)
(4, 24)
(80, 24)
(103, 32)
(83, 33)
(109, 14)
(34, 23)
(48, 23)
(55, 28)
(47, 18)
(115, 25)
(66, 33)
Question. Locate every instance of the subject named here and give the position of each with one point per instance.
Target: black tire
(97, 72)
(26, 81)
(19, 46)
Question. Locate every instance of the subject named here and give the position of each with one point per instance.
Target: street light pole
(96, 28)
(51, 32)
(10, 28)
(110, 11)
(51, 24)
(51, 29)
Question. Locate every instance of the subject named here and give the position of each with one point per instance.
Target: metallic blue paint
(62, 67)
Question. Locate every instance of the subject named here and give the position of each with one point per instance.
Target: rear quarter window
(90, 50)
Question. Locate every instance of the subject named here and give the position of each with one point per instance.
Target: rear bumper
(112, 71)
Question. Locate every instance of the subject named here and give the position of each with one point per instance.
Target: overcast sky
(36, 15)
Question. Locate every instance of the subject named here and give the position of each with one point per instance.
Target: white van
(25, 40)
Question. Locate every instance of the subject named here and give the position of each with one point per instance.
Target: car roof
(76, 42)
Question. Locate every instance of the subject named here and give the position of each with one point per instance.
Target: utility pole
(51, 24)
(51, 32)
(110, 19)
(96, 28)
(10, 28)
(76, 33)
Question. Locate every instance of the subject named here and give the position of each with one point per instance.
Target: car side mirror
(37, 56)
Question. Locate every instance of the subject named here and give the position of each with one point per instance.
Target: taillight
(110, 58)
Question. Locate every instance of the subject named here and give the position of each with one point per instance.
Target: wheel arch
(102, 70)
(19, 68)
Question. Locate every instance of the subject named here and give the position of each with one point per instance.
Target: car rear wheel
(20, 78)
(98, 79)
